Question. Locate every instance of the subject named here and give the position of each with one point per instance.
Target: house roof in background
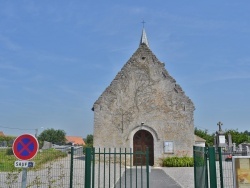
(1, 133)
(75, 140)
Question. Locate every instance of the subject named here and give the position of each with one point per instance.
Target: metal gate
(207, 164)
(114, 168)
(200, 167)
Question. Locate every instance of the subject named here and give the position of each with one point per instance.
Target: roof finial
(144, 39)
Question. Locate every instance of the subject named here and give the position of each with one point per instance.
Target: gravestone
(230, 144)
(234, 147)
(240, 148)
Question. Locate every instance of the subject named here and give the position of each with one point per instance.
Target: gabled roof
(1, 133)
(77, 140)
(143, 53)
(198, 139)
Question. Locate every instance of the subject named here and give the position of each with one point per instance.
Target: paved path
(183, 175)
(157, 179)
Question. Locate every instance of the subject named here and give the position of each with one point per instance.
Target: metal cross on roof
(144, 39)
(143, 22)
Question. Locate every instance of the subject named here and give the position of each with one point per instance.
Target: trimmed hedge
(178, 162)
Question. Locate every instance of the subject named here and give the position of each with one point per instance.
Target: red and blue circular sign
(25, 147)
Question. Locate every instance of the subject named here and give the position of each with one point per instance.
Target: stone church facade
(145, 107)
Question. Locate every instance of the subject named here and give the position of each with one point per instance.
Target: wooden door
(143, 139)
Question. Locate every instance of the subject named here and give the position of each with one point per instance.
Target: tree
(204, 134)
(88, 142)
(237, 137)
(52, 135)
(8, 139)
(247, 132)
(89, 139)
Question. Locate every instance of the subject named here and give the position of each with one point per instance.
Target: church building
(145, 107)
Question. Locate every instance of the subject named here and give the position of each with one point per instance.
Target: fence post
(221, 170)
(212, 167)
(200, 167)
(71, 166)
(88, 168)
(194, 158)
(93, 168)
(147, 167)
(205, 150)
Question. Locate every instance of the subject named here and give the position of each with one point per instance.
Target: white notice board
(168, 147)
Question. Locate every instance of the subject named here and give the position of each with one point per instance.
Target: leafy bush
(8, 139)
(178, 162)
(88, 142)
(52, 135)
(87, 146)
(9, 151)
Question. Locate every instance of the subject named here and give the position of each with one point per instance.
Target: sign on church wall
(168, 147)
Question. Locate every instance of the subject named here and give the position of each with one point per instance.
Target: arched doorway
(141, 140)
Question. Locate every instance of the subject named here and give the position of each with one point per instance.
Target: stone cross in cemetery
(220, 124)
(220, 137)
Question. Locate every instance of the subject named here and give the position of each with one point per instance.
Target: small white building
(199, 141)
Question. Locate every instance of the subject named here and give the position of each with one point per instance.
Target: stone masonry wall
(143, 91)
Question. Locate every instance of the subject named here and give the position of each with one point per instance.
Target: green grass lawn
(7, 159)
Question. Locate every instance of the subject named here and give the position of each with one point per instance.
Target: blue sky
(57, 57)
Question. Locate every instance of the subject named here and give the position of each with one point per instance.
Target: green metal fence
(116, 168)
(212, 169)
(200, 167)
(53, 168)
(224, 170)
(71, 168)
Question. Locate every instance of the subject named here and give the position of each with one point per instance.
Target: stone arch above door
(142, 127)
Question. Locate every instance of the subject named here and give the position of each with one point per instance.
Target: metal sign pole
(24, 177)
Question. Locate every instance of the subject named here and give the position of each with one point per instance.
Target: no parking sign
(25, 147)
